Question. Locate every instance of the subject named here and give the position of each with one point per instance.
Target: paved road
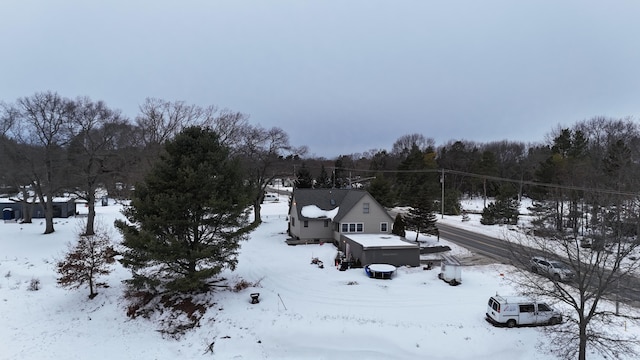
(497, 249)
(478, 243)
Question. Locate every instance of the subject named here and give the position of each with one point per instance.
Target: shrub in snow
(34, 285)
(243, 284)
(86, 260)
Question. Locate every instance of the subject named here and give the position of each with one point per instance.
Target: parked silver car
(556, 270)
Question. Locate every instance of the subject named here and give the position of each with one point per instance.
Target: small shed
(367, 249)
(450, 270)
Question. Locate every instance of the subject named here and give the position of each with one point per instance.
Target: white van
(512, 311)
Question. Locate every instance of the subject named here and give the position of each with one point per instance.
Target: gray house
(340, 216)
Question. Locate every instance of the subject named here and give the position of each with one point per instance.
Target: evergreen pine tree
(451, 203)
(422, 218)
(380, 189)
(399, 226)
(303, 178)
(417, 175)
(502, 211)
(323, 181)
(187, 217)
(337, 179)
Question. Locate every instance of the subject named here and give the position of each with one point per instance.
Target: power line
(497, 178)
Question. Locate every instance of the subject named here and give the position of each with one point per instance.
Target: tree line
(600, 154)
(56, 146)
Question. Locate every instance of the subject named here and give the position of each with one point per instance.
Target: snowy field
(305, 312)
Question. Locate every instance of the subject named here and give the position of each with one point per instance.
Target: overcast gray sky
(340, 76)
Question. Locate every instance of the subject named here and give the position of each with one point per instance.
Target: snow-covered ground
(305, 312)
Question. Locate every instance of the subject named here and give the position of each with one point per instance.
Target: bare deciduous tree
(261, 150)
(403, 145)
(94, 127)
(601, 262)
(231, 127)
(7, 118)
(160, 120)
(44, 119)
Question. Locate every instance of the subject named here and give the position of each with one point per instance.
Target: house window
(326, 223)
(306, 223)
(293, 221)
(384, 226)
(365, 208)
(352, 227)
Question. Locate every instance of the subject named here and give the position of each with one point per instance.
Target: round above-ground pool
(380, 271)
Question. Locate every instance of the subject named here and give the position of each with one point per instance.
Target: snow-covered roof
(314, 212)
(35, 200)
(380, 240)
(329, 199)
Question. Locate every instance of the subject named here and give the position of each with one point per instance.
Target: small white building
(450, 270)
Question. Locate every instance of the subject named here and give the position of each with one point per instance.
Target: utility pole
(484, 199)
(333, 178)
(442, 200)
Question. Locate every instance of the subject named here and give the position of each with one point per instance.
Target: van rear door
(493, 309)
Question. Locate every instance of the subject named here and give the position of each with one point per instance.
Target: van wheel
(556, 277)
(554, 321)
(534, 269)
(511, 323)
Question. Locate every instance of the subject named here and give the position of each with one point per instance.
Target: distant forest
(55, 145)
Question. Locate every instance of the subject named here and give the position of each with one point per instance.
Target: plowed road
(505, 253)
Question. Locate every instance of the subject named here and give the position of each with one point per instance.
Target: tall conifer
(187, 218)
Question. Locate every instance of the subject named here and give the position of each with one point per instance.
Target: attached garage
(380, 249)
